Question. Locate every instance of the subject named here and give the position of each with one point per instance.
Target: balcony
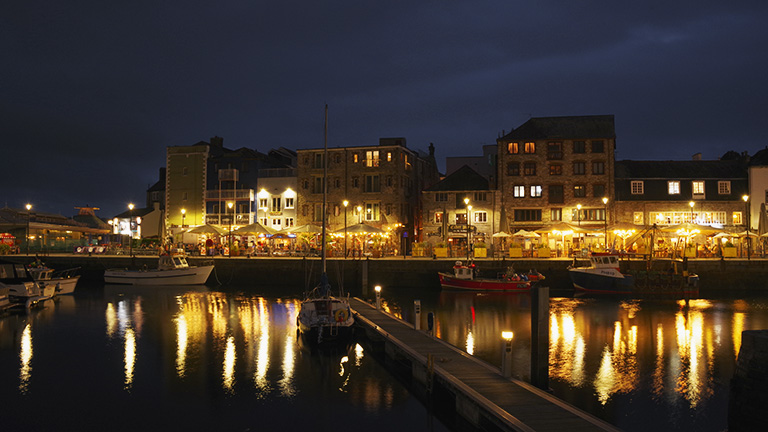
(230, 194)
(224, 219)
(229, 174)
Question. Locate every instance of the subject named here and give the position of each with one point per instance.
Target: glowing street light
(359, 214)
(29, 208)
(130, 229)
(605, 203)
(183, 217)
(469, 207)
(746, 202)
(346, 203)
(692, 204)
(230, 205)
(377, 288)
(506, 361)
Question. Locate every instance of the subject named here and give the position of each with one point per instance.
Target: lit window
(513, 148)
(372, 158)
(579, 191)
(480, 216)
(519, 191)
(637, 218)
(389, 156)
(536, 191)
(438, 217)
(355, 158)
(637, 187)
(555, 169)
(698, 188)
(737, 218)
(673, 187)
(530, 147)
(556, 214)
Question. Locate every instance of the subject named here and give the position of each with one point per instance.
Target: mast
(325, 183)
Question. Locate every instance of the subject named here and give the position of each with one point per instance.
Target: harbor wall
(749, 386)
(357, 276)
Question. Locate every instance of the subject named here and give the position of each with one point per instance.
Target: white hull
(325, 319)
(180, 276)
(62, 285)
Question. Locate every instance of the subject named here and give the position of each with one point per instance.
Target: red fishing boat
(466, 277)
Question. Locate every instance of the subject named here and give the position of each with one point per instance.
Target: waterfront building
(460, 209)
(381, 184)
(484, 165)
(758, 190)
(557, 169)
(46, 232)
(276, 198)
(704, 192)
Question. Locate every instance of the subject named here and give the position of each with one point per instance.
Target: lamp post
(346, 203)
(378, 296)
(130, 230)
(746, 202)
(605, 203)
(183, 217)
(578, 214)
(29, 216)
(230, 205)
(359, 214)
(469, 208)
(506, 355)
(692, 204)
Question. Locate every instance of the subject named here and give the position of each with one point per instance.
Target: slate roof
(463, 179)
(572, 127)
(711, 169)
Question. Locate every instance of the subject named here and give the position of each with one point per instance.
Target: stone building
(549, 167)
(446, 207)
(381, 185)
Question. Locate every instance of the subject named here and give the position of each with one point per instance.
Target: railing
(229, 194)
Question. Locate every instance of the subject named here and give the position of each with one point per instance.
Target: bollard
(417, 313)
(506, 355)
(430, 322)
(378, 296)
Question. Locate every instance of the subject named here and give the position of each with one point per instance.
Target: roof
(715, 169)
(463, 179)
(573, 127)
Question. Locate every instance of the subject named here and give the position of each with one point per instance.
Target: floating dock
(483, 397)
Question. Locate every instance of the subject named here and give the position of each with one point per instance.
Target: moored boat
(22, 288)
(465, 277)
(63, 281)
(171, 270)
(604, 275)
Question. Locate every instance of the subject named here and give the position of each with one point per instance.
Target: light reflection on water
(625, 361)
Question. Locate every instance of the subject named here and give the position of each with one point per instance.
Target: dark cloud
(93, 92)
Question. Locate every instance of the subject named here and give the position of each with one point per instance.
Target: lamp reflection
(25, 357)
(566, 344)
(130, 357)
(228, 373)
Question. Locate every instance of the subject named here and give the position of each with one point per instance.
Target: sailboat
(324, 318)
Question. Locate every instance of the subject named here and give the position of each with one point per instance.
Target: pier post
(540, 337)
(506, 355)
(417, 314)
(365, 276)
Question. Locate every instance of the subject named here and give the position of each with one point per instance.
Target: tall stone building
(550, 167)
(381, 185)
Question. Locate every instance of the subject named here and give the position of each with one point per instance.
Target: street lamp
(578, 214)
(230, 205)
(746, 202)
(359, 214)
(183, 217)
(130, 229)
(346, 203)
(29, 216)
(469, 207)
(377, 288)
(605, 203)
(692, 204)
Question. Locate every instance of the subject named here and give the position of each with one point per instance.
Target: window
(276, 204)
(355, 158)
(263, 203)
(185, 171)
(318, 185)
(289, 203)
(389, 209)
(372, 158)
(579, 147)
(337, 158)
(598, 167)
(513, 168)
(530, 147)
(305, 184)
(529, 168)
(637, 218)
(737, 218)
(513, 148)
(724, 187)
(536, 191)
(407, 162)
(525, 215)
(518, 191)
(389, 181)
(461, 218)
(636, 187)
(555, 194)
(318, 160)
(263, 221)
(441, 196)
(554, 150)
(579, 168)
(372, 183)
(317, 215)
(372, 212)
(480, 196)
(288, 222)
(698, 188)
(673, 187)
(597, 214)
(276, 224)
(439, 217)
(556, 214)
(555, 169)
(598, 146)
(185, 196)
(598, 190)
(389, 156)
(579, 191)
(480, 216)
(355, 182)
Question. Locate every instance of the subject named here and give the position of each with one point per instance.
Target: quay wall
(748, 395)
(716, 275)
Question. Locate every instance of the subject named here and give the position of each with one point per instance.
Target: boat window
(613, 260)
(6, 271)
(20, 271)
(176, 261)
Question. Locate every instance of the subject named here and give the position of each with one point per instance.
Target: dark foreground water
(187, 359)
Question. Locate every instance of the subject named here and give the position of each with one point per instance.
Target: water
(188, 359)
(640, 365)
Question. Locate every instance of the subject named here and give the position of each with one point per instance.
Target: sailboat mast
(325, 183)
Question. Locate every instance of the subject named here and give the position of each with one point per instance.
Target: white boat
(323, 318)
(63, 281)
(22, 288)
(171, 270)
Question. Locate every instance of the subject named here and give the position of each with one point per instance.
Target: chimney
(217, 141)
(431, 149)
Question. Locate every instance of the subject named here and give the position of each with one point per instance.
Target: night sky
(93, 92)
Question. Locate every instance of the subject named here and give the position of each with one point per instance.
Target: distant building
(277, 198)
(484, 165)
(549, 166)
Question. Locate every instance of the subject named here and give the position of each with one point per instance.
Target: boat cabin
(609, 261)
(13, 273)
(460, 271)
(168, 262)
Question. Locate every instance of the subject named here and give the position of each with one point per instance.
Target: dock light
(749, 241)
(29, 208)
(183, 216)
(605, 203)
(130, 230)
(377, 288)
(506, 355)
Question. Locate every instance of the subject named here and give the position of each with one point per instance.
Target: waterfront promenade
(480, 393)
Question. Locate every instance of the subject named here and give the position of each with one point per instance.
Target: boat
(466, 277)
(604, 275)
(63, 281)
(323, 318)
(21, 288)
(171, 270)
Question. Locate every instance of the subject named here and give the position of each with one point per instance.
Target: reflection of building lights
(228, 373)
(130, 357)
(341, 365)
(262, 359)
(737, 327)
(358, 355)
(25, 356)
(470, 344)
(181, 344)
(111, 318)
